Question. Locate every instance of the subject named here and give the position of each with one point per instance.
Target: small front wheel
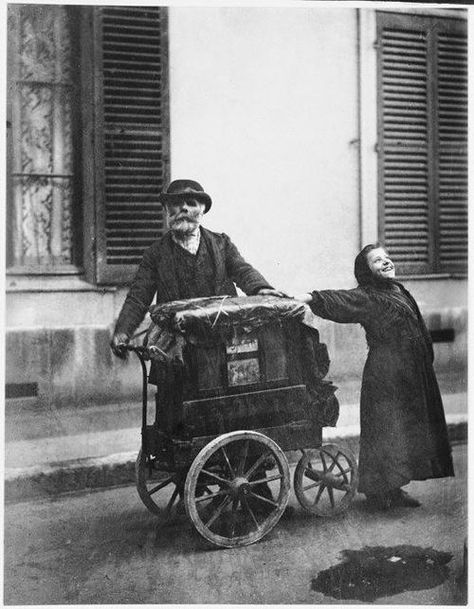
(237, 488)
(159, 489)
(326, 480)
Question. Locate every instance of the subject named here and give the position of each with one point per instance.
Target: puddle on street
(374, 572)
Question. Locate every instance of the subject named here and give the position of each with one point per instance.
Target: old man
(189, 261)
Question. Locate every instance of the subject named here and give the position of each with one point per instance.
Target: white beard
(184, 226)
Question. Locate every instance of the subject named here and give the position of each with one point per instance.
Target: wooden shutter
(422, 131)
(452, 120)
(132, 135)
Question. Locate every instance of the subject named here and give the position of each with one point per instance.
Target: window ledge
(431, 276)
(430, 11)
(23, 283)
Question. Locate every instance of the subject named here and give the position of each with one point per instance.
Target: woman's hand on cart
(306, 298)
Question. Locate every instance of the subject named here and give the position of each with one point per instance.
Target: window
(88, 138)
(42, 124)
(422, 135)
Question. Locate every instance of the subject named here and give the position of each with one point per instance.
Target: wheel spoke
(243, 458)
(263, 480)
(257, 496)
(320, 492)
(249, 510)
(278, 476)
(343, 472)
(235, 507)
(210, 496)
(158, 487)
(331, 496)
(314, 474)
(345, 478)
(306, 488)
(206, 489)
(172, 500)
(256, 465)
(323, 461)
(212, 475)
(231, 469)
(218, 512)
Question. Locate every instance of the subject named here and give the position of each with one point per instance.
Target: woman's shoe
(379, 501)
(400, 498)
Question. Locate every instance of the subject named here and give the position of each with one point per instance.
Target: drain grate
(21, 390)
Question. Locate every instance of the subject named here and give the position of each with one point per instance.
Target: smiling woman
(403, 429)
(379, 263)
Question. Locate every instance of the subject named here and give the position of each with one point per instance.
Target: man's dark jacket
(157, 275)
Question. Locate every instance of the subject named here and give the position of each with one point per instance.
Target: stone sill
(459, 12)
(22, 283)
(432, 277)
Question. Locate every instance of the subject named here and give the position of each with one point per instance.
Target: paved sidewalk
(46, 466)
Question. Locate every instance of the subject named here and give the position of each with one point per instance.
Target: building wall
(265, 111)
(267, 106)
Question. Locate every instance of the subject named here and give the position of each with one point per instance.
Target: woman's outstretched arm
(343, 306)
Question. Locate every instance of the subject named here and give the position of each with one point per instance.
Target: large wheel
(237, 488)
(160, 490)
(326, 479)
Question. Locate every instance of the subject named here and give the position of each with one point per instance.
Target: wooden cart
(240, 381)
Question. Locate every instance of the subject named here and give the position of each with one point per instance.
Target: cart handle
(142, 353)
(138, 349)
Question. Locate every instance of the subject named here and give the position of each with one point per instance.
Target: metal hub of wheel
(326, 480)
(237, 488)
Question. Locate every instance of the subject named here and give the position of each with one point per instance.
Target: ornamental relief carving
(37, 202)
(36, 129)
(45, 218)
(45, 44)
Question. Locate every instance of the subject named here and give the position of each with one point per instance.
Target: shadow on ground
(375, 572)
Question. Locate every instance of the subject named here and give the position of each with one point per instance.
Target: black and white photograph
(236, 303)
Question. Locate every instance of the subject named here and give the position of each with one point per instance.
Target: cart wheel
(237, 488)
(325, 481)
(159, 490)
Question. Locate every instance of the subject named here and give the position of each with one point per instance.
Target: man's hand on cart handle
(119, 343)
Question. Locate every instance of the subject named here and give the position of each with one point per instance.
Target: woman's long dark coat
(403, 429)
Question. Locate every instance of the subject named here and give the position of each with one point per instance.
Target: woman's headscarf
(374, 284)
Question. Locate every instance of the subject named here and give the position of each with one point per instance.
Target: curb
(52, 480)
(62, 477)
